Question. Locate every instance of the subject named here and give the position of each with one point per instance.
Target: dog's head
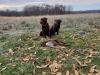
(43, 21)
(58, 21)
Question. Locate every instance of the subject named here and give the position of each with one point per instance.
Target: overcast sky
(77, 4)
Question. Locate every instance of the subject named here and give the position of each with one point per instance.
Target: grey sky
(4, 4)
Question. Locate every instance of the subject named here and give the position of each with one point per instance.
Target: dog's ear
(55, 21)
(58, 20)
(44, 19)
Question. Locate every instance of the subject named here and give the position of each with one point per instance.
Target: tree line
(39, 10)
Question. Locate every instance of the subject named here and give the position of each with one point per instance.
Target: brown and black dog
(55, 28)
(45, 27)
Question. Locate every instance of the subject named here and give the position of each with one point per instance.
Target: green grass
(96, 61)
(77, 33)
(20, 45)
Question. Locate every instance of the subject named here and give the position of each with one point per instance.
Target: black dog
(55, 28)
(45, 27)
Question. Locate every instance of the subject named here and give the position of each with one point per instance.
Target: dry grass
(71, 20)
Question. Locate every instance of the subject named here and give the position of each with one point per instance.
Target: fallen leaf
(88, 61)
(93, 45)
(98, 72)
(94, 53)
(26, 58)
(92, 69)
(29, 48)
(75, 71)
(43, 73)
(54, 67)
(0, 63)
(71, 52)
(47, 60)
(3, 69)
(42, 66)
(80, 63)
(89, 74)
(13, 65)
(11, 52)
(67, 73)
(59, 73)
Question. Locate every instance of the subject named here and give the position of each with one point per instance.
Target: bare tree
(39, 10)
(69, 9)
